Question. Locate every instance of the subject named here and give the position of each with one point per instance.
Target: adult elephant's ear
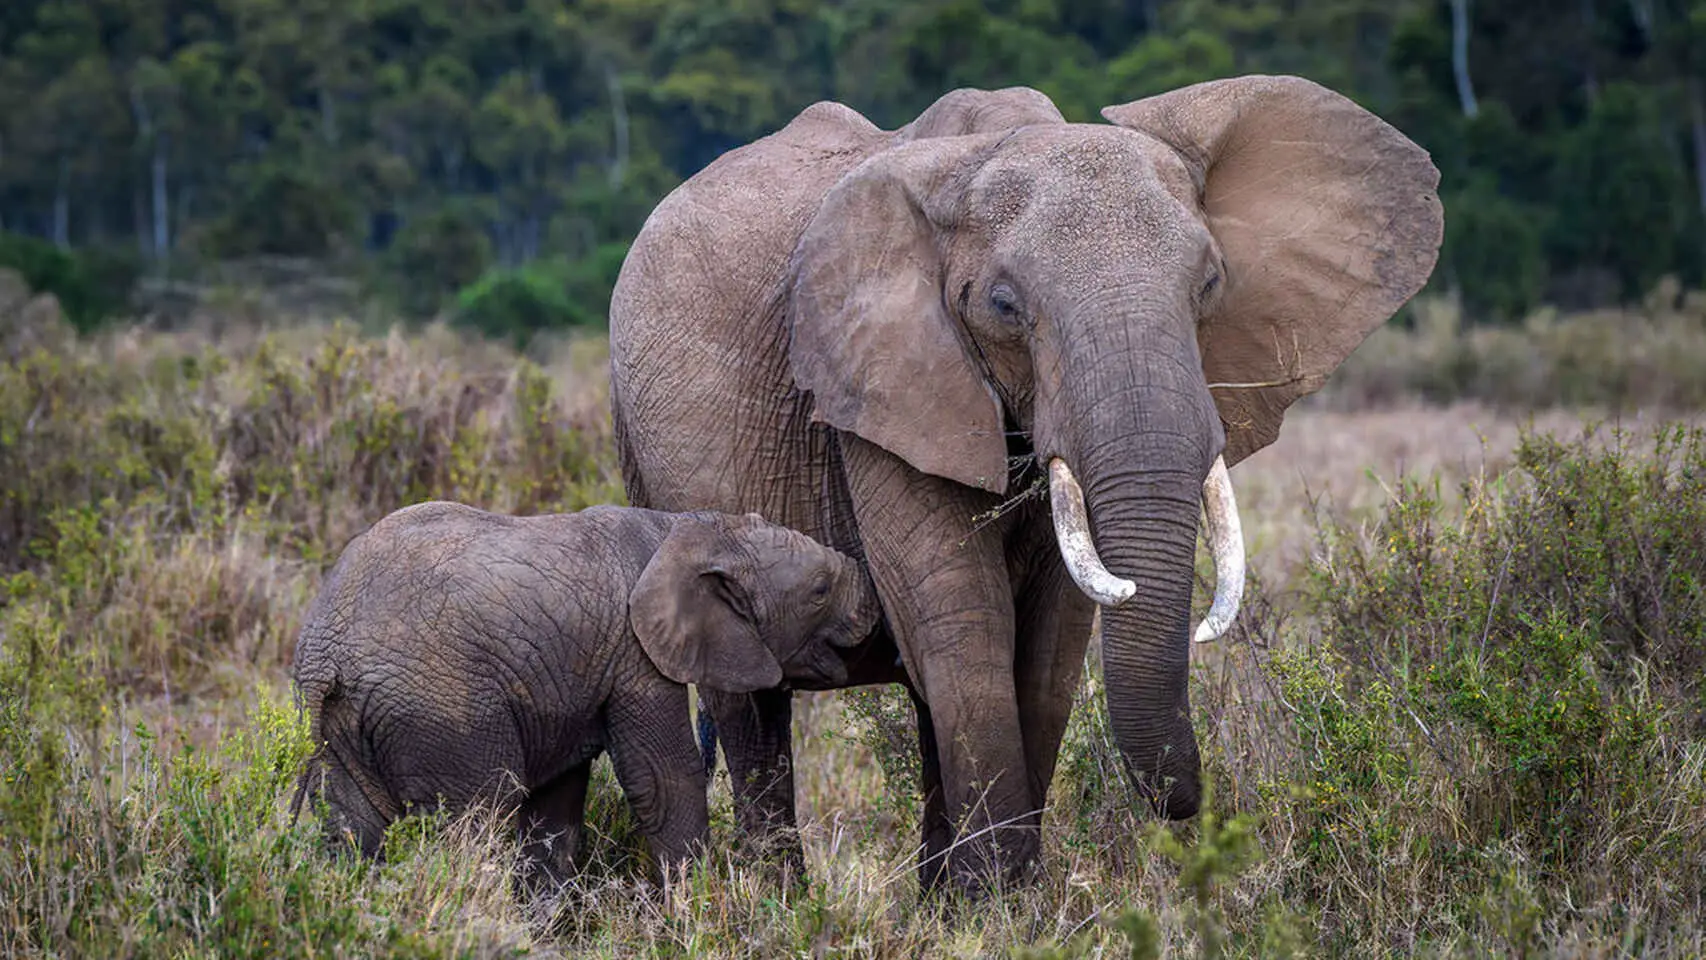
(1328, 219)
(870, 334)
(692, 617)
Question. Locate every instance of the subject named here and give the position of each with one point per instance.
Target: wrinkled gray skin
(878, 337)
(464, 655)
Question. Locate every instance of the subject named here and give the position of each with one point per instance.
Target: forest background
(493, 158)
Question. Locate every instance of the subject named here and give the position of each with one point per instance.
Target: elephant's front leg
(660, 770)
(1054, 621)
(945, 588)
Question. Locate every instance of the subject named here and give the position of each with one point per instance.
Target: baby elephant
(456, 655)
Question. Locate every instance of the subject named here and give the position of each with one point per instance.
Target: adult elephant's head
(1139, 301)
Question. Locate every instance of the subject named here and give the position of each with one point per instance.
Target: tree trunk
(328, 118)
(1460, 57)
(139, 218)
(162, 208)
(451, 157)
(619, 112)
(1697, 121)
(1642, 12)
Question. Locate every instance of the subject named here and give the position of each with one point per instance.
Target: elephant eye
(1005, 301)
(1208, 288)
(820, 587)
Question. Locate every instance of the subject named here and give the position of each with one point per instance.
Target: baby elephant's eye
(820, 588)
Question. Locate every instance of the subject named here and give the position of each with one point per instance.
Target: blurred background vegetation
(492, 158)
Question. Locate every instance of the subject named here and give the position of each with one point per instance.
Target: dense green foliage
(419, 143)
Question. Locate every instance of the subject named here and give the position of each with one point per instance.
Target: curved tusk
(1226, 545)
(1072, 531)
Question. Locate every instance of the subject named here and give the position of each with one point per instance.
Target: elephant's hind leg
(550, 823)
(358, 807)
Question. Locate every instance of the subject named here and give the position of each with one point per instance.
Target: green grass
(1475, 725)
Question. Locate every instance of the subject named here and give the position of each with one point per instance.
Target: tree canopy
(428, 143)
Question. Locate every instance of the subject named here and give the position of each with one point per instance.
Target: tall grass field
(1462, 714)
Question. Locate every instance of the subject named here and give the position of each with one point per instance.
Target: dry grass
(1348, 465)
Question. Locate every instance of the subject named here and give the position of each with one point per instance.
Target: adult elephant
(885, 339)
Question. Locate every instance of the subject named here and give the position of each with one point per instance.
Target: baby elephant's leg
(550, 822)
(660, 770)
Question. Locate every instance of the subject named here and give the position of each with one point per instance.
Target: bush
(1630, 198)
(286, 211)
(1493, 253)
(515, 304)
(170, 503)
(92, 285)
(1513, 699)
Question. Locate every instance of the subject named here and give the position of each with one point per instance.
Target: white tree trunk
(1460, 57)
(162, 207)
(619, 111)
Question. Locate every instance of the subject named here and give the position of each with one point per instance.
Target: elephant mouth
(1084, 564)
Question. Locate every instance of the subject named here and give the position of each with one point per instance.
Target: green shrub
(92, 285)
(1523, 683)
(171, 507)
(1493, 252)
(546, 295)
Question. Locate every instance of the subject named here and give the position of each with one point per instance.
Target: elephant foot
(981, 864)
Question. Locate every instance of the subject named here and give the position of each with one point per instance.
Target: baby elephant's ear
(694, 620)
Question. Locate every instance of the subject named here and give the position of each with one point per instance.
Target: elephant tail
(360, 807)
(311, 694)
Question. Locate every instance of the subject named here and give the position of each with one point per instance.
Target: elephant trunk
(1144, 518)
(1141, 447)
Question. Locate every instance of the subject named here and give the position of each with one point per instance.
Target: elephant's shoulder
(734, 223)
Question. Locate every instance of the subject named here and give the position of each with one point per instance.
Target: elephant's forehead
(1084, 170)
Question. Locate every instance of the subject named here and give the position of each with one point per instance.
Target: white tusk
(1226, 545)
(1072, 530)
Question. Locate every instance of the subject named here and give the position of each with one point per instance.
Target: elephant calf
(456, 655)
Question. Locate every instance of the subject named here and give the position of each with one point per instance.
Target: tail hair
(312, 695)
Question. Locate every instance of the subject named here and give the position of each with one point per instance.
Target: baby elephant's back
(448, 589)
